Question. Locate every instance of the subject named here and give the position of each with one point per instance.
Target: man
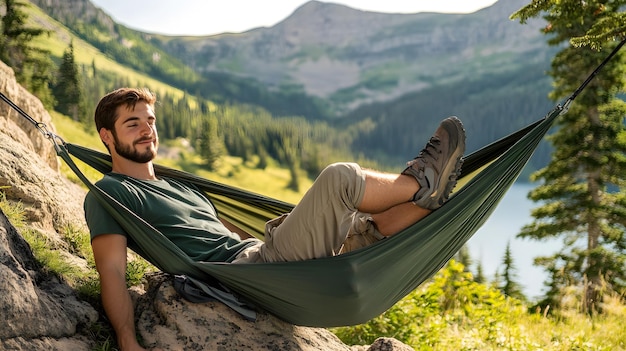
(345, 200)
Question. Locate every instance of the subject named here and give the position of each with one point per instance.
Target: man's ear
(105, 136)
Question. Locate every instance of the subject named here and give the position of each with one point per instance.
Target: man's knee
(335, 173)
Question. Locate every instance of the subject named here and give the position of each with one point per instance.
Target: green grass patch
(50, 254)
(272, 181)
(452, 312)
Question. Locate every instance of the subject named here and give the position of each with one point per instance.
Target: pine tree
(209, 144)
(510, 287)
(67, 90)
(31, 65)
(581, 186)
(14, 41)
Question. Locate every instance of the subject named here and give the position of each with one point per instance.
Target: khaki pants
(320, 224)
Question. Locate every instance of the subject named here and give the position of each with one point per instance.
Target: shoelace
(431, 146)
(430, 149)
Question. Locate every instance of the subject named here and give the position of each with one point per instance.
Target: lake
(489, 242)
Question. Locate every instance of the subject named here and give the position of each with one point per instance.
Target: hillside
(86, 54)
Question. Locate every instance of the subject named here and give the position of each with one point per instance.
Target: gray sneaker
(438, 165)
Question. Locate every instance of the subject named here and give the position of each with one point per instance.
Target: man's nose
(147, 129)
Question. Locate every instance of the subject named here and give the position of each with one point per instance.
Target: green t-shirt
(178, 210)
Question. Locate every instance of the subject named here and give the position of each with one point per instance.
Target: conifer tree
(209, 144)
(31, 65)
(67, 89)
(581, 190)
(510, 287)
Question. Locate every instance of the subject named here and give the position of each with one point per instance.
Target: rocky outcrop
(29, 164)
(167, 321)
(18, 127)
(41, 312)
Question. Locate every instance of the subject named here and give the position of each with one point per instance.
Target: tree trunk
(593, 280)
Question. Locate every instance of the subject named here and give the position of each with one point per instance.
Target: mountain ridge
(343, 56)
(328, 49)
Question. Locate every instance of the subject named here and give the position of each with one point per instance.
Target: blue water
(489, 243)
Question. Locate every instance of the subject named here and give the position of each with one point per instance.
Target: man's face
(135, 136)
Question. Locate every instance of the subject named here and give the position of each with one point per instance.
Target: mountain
(352, 57)
(388, 78)
(346, 57)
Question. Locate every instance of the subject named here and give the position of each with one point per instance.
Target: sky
(206, 17)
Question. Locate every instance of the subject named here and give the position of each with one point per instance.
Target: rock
(28, 163)
(167, 321)
(50, 201)
(38, 311)
(388, 344)
(170, 322)
(18, 127)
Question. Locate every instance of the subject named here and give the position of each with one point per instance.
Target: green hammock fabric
(346, 289)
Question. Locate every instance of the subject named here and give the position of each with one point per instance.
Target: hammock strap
(593, 74)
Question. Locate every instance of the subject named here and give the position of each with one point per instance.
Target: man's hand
(233, 228)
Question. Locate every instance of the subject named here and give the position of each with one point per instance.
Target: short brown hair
(106, 111)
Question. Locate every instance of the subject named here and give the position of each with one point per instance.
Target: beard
(131, 153)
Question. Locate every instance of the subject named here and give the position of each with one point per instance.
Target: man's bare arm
(110, 255)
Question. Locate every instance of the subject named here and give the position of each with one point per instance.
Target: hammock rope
(341, 290)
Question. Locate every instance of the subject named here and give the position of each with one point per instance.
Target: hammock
(341, 290)
(347, 289)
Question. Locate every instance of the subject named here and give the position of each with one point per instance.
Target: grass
(482, 318)
(577, 331)
(530, 332)
(272, 181)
